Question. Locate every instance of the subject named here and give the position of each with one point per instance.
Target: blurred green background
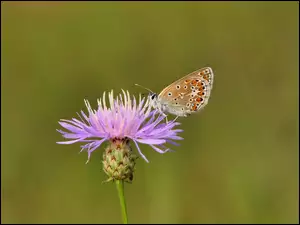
(238, 162)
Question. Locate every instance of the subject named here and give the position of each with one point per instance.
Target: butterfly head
(153, 99)
(152, 96)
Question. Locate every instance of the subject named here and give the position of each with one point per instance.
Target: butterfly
(185, 96)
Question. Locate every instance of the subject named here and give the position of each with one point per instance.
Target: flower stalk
(120, 188)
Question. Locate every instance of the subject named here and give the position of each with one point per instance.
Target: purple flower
(123, 118)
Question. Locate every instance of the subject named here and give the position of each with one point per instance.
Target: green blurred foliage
(238, 162)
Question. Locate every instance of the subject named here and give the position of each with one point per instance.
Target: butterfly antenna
(144, 87)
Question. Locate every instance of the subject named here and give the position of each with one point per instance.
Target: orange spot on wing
(198, 99)
(194, 82)
(194, 108)
(187, 81)
(205, 77)
(200, 85)
(200, 93)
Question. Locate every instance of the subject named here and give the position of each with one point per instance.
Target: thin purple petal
(159, 150)
(151, 141)
(139, 150)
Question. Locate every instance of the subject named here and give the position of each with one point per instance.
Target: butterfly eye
(153, 96)
(178, 87)
(170, 94)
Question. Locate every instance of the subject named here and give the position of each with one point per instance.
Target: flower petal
(139, 150)
(151, 141)
(159, 150)
(69, 142)
(95, 145)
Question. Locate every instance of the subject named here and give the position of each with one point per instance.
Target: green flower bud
(118, 160)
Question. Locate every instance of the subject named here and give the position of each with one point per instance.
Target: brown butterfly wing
(190, 93)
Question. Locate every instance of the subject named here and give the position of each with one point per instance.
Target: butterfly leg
(165, 117)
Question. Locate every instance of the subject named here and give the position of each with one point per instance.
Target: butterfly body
(185, 96)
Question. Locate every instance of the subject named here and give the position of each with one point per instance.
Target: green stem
(120, 188)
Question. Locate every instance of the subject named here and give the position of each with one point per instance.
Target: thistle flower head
(124, 119)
